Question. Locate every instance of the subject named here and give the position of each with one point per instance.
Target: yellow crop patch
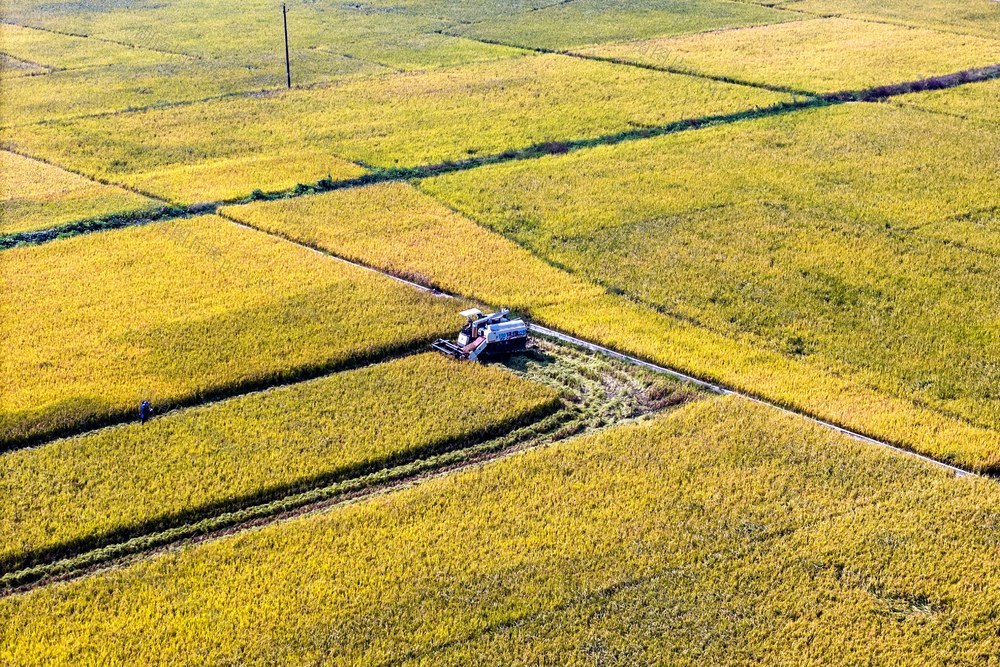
(179, 311)
(818, 55)
(35, 195)
(973, 17)
(974, 101)
(64, 51)
(722, 531)
(400, 230)
(233, 178)
(191, 464)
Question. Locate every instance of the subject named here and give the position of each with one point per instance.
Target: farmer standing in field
(145, 411)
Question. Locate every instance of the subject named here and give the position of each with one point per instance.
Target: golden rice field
(680, 540)
(64, 51)
(976, 101)
(797, 201)
(35, 195)
(180, 311)
(87, 490)
(397, 229)
(822, 55)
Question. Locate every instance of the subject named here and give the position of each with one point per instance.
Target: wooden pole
(288, 64)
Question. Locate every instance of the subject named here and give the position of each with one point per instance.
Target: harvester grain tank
(485, 336)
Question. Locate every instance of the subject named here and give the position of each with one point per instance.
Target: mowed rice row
(717, 534)
(88, 491)
(179, 312)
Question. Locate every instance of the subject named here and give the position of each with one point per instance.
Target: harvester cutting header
(485, 336)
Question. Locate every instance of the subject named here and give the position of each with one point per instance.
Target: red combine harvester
(485, 336)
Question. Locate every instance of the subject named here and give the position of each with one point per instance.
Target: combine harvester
(485, 336)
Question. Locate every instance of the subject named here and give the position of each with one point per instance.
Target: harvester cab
(485, 336)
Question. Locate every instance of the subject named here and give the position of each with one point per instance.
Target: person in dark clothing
(145, 411)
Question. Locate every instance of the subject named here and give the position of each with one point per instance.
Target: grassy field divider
(84, 493)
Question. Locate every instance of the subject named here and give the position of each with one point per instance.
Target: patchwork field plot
(976, 101)
(974, 17)
(210, 308)
(563, 25)
(233, 178)
(818, 55)
(397, 229)
(400, 230)
(61, 51)
(403, 120)
(721, 532)
(35, 195)
(249, 449)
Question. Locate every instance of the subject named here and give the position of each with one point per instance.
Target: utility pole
(288, 64)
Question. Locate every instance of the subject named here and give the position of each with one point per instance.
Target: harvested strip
(180, 312)
(397, 229)
(35, 195)
(88, 491)
(700, 535)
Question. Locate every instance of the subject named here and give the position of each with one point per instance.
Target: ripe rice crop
(840, 259)
(67, 51)
(118, 88)
(972, 17)
(818, 55)
(224, 456)
(974, 101)
(716, 534)
(177, 312)
(35, 195)
(214, 180)
(13, 67)
(395, 120)
(398, 229)
(568, 24)
(395, 228)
